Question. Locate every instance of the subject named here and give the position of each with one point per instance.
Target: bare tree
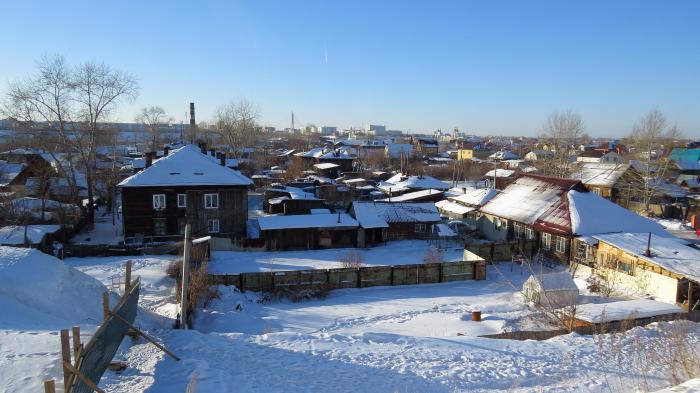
(65, 107)
(153, 117)
(563, 131)
(652, 138)
(236, 122)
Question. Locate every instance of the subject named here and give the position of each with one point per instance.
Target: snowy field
(393, 253)
(381, 339)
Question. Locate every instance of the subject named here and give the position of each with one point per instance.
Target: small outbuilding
(555, 290)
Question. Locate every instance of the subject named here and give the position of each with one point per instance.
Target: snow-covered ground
(397, 339)
(394, 339)
(393, 253)
(107, 230)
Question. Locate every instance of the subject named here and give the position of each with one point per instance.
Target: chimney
(166, 150)
(212, 152)
(149, 159)
(192, 121)
(222, 159)
(338, 217)
(647, 252)
(203, 148)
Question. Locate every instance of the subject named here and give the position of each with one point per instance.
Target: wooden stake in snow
(65, 355)
(127, 284)
(76, 342)
(105, 305)
(49, 386)
(185, 278)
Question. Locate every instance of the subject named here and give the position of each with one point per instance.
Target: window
(181, 225)
(160, 227)
(420, 228)
(596, 190)
(530, 234)
(181, 200)
(546, 241)
(159, 201)
(213, 226)
(211, 201)
(561, 244)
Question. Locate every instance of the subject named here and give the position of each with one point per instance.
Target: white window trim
(211, 228)
(560, 244)
(158, 197)
(184, 200)
(546, 241)
(211, 199)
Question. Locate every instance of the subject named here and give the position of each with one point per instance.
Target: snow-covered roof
(313, 153)
(599, 174)
(475, 196)
(453, 207)
(534, 199)
(186, 166)
(668, 252)
(499, 173)
(369, 212)
(591, 214)
(294, 192)
(303, 221)
(443, 230)
(410, 196)
(561, 281)
(9, 171)
(623, 310)
(689, 180)
(400, 182)
(326, 165)
(14, 235)
(396, 149)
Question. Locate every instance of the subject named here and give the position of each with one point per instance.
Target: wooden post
(185, 278)
(127, 284)
(65, 356)
(690, 296)
(49, 386)
(76, 342)
(105, 305)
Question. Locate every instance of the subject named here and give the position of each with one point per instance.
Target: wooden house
(308, 231)
(552, 212)
(186, 186)
(381, 221)
(427, 146)
(604, 179)
(661, 266)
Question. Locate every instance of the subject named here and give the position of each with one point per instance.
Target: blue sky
(487, 67)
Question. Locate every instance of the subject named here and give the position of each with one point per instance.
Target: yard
(394, 339)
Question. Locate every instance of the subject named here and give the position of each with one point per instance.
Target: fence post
(49, 386)
(391, 271)
(105, 305)
(65, 357)
(127, 285)
(76, 342)
(185, 273)
(359, 277)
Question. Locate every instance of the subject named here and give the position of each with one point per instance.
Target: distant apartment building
(374, 129)
(327, 130)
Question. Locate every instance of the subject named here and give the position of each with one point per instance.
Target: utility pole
(292, 130)
(185, 278)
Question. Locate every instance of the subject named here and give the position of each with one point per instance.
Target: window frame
(210, 225)
(157, 222)
(184, 200)
(210, 204)
(561, 241)
(158, 197)
(546, 241)
(420, 228)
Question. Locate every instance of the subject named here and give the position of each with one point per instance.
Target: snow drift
(40, 291)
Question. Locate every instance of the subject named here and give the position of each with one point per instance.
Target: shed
(551, 290)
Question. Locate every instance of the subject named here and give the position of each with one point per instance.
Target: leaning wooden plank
(146, 336)
(82, 377)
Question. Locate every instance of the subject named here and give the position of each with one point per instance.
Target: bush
(352, 259)
(296, 294)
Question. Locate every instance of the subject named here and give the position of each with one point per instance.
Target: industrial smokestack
(192, 121)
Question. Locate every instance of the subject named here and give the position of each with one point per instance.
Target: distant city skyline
(486, 68)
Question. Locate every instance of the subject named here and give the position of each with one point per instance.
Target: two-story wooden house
(186, 186)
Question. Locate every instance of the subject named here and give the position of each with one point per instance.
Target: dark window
(160, 227)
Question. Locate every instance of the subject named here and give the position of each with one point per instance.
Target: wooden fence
(502, 251)
(361, 277)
